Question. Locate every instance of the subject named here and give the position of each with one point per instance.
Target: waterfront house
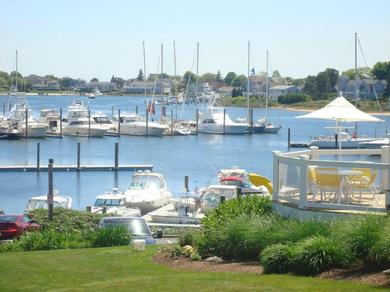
(279, 90)
(367, 87)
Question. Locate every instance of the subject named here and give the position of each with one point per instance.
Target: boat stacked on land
(41, 202)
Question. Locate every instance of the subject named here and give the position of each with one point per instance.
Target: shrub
(44, 240)
(195, 256)
(277, 258)
(380, 252)
(188, 250)
(190, 236)
(317, 254)
(111, 236)
(293, 98)
(249, 206)
(360, 234)
(299, 230)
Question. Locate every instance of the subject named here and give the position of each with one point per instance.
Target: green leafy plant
(111, 236)
(278, 258)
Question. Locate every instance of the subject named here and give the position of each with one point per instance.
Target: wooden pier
(97, 167)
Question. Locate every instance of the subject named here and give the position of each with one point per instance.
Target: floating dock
(128, 167)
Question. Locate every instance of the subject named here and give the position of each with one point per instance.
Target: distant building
(148, 87)
(257, 84)
(103, 86)
(276, 91)
(225, 90)
(366, 87)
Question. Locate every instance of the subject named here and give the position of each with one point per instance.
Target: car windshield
(42, 204)
(135, 226)
(8, 219)
(144, 182)
(108, 202)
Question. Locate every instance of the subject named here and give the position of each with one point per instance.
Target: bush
(111, 236)
(300, 230)
(360, 234)
(195, 256)
(231, 209)
(380, 252)
(189, 236)
(293, 98)
(317, 254)
(277, 258)
(44, 240)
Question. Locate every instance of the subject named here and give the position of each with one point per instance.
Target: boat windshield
(135, 226)
(108, 202)
(42, 204)
(102, 120)
(145, 182)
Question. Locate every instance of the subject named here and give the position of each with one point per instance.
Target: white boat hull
(83, 131)
(169, 215)
(140, 129)
(147, 205)
(34, 131)
(219, 129)
(345, 144)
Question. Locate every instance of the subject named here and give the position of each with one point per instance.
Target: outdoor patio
(339, 181)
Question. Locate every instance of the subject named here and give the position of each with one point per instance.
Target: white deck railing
(290, 175)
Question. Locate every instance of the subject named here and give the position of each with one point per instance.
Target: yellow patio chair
(364, 182)
(328, 181)
(259, 180)
(312, 180)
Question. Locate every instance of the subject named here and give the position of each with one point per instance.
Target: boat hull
(83, 131)
(147, 205)
(34, 131)
(139, 129)
(219, 129)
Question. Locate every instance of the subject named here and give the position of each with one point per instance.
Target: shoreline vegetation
(368, 106)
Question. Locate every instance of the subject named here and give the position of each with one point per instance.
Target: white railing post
(275, 176)
(303, 181)
(387, 190)
(314, 154)
(385, 158)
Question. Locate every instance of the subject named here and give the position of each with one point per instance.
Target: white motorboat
(17, 120)
(344, 138)
(80, 124)
(133, 124)
(374, 144)
(51, 118)
(177, 129)
(190, 209)
(40, 202)
(114, 203)
(213, 121)
(103, 121)
(147, 191)
(266, 127)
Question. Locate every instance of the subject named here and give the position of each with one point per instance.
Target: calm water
(197, 156)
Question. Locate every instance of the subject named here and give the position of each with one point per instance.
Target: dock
(127, 167)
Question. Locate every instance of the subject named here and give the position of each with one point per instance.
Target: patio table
(344, 175)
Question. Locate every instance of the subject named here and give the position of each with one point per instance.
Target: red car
(12, 226)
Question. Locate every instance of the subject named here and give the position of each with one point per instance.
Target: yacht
(114, 203)
(103, 121)
(51, 118)
(40, 202)
(17, 120)
(147, 191)
(212, 121)
(345, 140)
(79, 123)
(133, 124)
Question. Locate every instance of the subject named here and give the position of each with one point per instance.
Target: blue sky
(103, 38)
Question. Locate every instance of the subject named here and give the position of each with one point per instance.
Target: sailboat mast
(16, 71)
(356, 73)
(266, 89)
(247, 85)
(174, 58)
(143, 49)
(162, 60)
(197, 69)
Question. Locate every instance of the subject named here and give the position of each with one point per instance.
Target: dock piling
(26, 125)
(172, 122)
(147, 123)
(78, 155)
(89, 123)
(197, 121)
(60, 121)
(136, 109)
(38, 154)
(119, 122)
(336, 138)
(224, 121)
(50, 192)
(186, 184)
(288, 138)
(116, 155)
(251, 121)
(3, 108)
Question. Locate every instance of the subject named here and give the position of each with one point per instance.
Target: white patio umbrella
(340, 110)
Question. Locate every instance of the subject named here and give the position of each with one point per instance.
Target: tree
(140, 76)
(381, 70)
(189, 77)
(208, 77)
(310, 86)
(229, 78)
(239, 81)
(276, 74)
(362, 72)
(93, 80)
(118, 81)
(218, 77)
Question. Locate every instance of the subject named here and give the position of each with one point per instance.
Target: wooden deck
(97, 167)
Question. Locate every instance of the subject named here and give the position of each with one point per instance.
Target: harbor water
(199, 157)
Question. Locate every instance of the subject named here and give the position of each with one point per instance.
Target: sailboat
(263, 125)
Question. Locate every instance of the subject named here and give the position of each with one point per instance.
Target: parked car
(136, 225)
(13, 226)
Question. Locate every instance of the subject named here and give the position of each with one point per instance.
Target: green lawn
(122, 269)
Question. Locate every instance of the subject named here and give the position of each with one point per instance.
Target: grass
(121, 269)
